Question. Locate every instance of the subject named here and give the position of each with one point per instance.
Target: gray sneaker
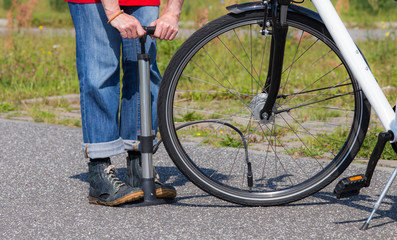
(107, 189)
(134, 176)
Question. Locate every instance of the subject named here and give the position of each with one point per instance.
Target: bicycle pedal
(350, 186)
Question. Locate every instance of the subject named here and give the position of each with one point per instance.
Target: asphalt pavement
(44, 188)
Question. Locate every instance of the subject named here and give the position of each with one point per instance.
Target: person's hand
(128, 26)
(166, 26)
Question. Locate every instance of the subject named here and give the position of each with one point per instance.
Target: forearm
(173, 8)
(111, 7)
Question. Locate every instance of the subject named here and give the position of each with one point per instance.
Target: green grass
(230, 141)
(367, 12)
(42, 116)
(40, 65)
(6, 107)
(165, 51)
(212, 136)
(37, 66)
(315, 149)
(381, 56)
(369, 144)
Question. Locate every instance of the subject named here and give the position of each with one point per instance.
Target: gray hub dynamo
(257, 104)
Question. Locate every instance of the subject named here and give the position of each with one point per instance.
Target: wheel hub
(257, 104)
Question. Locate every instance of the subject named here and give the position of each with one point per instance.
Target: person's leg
(97, 58)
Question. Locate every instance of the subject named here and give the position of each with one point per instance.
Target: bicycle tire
(320, 122)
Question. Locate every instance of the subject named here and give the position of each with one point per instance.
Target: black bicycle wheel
(217, 77)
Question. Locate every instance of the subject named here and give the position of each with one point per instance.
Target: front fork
(279, 9)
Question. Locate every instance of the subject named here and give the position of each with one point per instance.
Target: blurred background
(54, 13)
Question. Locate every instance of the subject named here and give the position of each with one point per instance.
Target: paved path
(43, 189)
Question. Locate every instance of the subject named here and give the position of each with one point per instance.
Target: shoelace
(110, 171)
(157, 177)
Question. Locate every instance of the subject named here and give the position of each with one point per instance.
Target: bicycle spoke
(301, 140)
(289, 153)
(217, 66)
(246, 54)
(238, 60)
(323, 91)
(316, 81)
(307, 104)
(300, 56)
(274, 148)
(311, 65)
(263, 57)
(292, 64)
(210, 83)
(313, 90)
(235, 93)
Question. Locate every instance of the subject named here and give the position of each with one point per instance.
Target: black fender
(257, 6)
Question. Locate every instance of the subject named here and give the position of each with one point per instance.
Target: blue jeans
(110, 128)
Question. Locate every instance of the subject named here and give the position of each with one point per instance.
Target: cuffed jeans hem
(134, 145)
(103, 150)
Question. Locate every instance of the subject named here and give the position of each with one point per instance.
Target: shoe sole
(135, 196)
(165, 193)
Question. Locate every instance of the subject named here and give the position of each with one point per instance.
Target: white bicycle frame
(361, 71)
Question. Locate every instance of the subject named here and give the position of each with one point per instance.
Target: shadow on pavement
(174, 177)
(169, 175)
(358, 202)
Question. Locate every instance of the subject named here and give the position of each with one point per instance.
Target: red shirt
(123, 2)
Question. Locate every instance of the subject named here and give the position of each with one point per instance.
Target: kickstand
(383, 138)
(379, 201)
